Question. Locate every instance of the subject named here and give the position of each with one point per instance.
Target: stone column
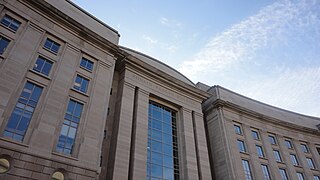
(118, 163)
(202, 149)
(139, 138)
(188, 164)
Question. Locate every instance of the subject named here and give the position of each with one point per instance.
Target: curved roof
(159, 65)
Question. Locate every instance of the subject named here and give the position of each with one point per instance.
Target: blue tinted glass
(83, 62)
(71, 107)
(10, 23)
(156, 158)
(20, 118)
(157, 135)
(90, 65)
(55, 47)
(157, 125)
(156, 170)
(168, 174)
(6, 21)
(84, 85)
(48, 44)
(78, 110)
(162, 144)
(47, 67)
(15, 25)
(39, 64)
(36, 94)
(156, 146)
(3, 44)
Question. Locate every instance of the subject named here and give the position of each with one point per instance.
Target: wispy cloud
(149, 39)
(240, 42)
(294, 89)
(170, 23)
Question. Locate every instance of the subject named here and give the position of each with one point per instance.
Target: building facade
(76, 105)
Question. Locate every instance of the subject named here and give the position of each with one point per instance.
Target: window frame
(310, 163)
(261, 148)
(272, 139)
(237, 129)
(285, 177)
(243, 144)
(266, 176)
(87, 60)
(6, 47)
(294, 160)
(277, 156)
(305, 148)
(246, 169)
(74, 85)
(288, 143)
(12, 19)
(53, 42)
(300, 175)
(255, 134)
(45, 60)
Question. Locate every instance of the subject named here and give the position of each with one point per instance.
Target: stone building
(76, 105)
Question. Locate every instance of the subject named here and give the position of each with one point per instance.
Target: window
(20, 118)
(4, 42)
(81, 84)
(237, 129)
(288, 144)
(255, 135)
(246, 169)
(316, 177)
(265, 171)
(87, 64)
(304, 148)
(69, 127)
(241, 146)
(318, 149)
(300, 176)
(42, 66)
(283, 174)
(294, 159)
(259, 151)
(272, 139)
(162, 149)
(10, 23)
(277, 155)
(310, 163)
(51, 45)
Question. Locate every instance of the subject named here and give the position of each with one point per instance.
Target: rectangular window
(304, 148)
(259, 151)
(4, 42)
(42, 66)
(69, 127)
(300, 176)
(241, 146)
(316, 177)
(162, 150)
(277, 155)
(237, 129)
(10, 23)
(272, 139)
(246, 169)
(310, 163)
(21, 116)
(283, 174)
(51, 45)
(81, 84)
(255, 134)
(294, 159)
(86, 64)
(265, 171)
(318, 149)
(288, 144)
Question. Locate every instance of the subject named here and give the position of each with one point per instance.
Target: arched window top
(58, 175)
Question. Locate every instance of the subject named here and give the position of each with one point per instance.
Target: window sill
(42, 75)
(64, 156)
(264, 158)
(90, 71)
(55, 53)
(13, 31)
(85, 94)
(14, 142)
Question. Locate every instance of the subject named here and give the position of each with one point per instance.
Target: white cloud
(294, 89)
(170, 23)
(149, 39)
(240, 42)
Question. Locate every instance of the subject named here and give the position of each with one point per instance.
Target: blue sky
(266, 50)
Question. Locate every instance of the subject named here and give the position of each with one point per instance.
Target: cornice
(72, 25)
(221, 104)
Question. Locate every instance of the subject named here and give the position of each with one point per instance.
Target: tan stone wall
(16, 65)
